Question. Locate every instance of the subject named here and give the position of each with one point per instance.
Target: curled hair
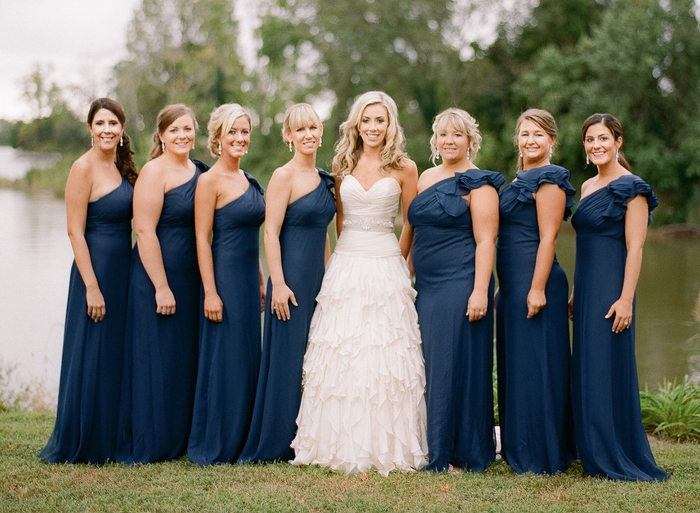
(166, 117)
(349, 146)
(299, 115)
(541, 118)
(124, 161)
(460, 120)
(611, 123)
(220, 122)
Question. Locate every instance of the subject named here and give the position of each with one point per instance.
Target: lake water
(35, 260)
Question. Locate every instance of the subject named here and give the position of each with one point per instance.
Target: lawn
(27, 484)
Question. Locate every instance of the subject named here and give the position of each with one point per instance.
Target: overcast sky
(81, 39)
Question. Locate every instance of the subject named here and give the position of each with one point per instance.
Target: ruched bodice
(368, 218)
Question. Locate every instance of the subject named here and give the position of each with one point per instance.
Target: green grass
(27, 484)
(672, 411)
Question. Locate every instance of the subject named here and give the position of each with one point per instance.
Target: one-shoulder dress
(363, 401)
(533, 354)
(303, 245)
(89, 387)
(610, 437)
(229, 351)
(160, 357)
(458, 353)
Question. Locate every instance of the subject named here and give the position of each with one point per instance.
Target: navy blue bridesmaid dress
(303, 243)
(610, 437)
(89, 387)
(534, 400)
(160, 351)
(458, 353)
(229, 351)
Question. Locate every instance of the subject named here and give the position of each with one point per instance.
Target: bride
(363, 400)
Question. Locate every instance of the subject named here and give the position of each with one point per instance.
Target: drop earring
(617, 155)
(92, 140)
(121, 140)
(469, 154)
(520, 154)
(587, 160)
(193, 144)
(219, 149)
(320, 142)
(551, 150)
(162, 146)
(437, 155)
(291, 147)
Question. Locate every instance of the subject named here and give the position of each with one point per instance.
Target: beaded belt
(368, 223)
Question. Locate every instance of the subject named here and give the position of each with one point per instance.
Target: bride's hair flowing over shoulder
(349, 146)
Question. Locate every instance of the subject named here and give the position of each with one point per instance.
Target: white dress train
(363, 401)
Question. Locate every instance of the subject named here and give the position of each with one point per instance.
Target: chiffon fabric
(533, 354)
(160, 359)
(229, 351)
(303, 244)
(609, 434)
(89, 387)
(363, 403)
(458, 353)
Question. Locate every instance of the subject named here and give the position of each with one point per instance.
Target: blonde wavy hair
(544, 120)
(299, 115)
(220, 122)
(349, 147)
(459, 120)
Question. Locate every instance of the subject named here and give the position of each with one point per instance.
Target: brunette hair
(220, 122)
(349, 147)
(124, 162)
(459, 120)
(540, 117)
(167, 117)
(611, 123)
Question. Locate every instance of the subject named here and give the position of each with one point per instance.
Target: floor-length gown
(363, 401)
(160, 351)
(533, 354)
(303, 244)
(229, 351)
(458, 353)
(89, 387)
(610, 437)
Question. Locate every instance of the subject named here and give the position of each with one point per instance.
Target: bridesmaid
(611, 226)
(533, 346)
(98, 208)
(455, 221)
(228, 202)
(300, 205)
(162, 335)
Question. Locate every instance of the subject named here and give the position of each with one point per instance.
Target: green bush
(672, 411)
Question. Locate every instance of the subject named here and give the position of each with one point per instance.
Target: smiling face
(534, 143)
(306, 139)
(600, 144)
(235, 143)
(452, 144)
(373, 125)
(106, 129)
(178, 137)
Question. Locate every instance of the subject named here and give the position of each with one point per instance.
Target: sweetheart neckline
(375, 183)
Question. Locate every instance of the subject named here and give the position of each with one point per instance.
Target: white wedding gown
(363, 403)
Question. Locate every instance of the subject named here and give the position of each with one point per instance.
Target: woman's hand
(477, 306)
(536, 300)
(622, 310)
(213, 307)
(165, 301)
(95, 304)
(281, 297)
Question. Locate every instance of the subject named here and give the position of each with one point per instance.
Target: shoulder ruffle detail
(254, 182)
(625, 189)
(203, 166)
(327, 178)
(449, 194)
(529, 181)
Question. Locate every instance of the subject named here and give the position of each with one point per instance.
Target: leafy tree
(39, 91)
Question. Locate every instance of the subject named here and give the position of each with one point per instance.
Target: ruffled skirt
(363, 402)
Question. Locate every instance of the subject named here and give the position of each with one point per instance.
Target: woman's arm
(204, 205)
(149, 193)
(484, 211)
(278, 193)
(409, 188)
(78, 188)
(338, 207)
(551, 204)
(636, 219)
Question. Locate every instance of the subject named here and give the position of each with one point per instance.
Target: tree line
(636, 59)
